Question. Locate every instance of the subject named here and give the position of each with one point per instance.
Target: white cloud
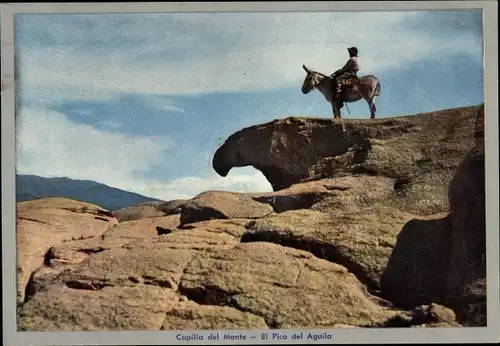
(50, 145)
(197, 53)
(238, 180)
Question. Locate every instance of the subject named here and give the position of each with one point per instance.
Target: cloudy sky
(142, 101)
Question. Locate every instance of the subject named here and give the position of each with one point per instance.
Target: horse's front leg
(336, 110)
(337, 115)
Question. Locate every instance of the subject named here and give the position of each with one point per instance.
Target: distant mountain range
(29, 187)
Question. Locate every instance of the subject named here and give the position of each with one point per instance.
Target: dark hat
(353, 50)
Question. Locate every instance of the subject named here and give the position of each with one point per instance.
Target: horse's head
(312, 79)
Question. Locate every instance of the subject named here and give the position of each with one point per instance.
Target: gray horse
(367, 88)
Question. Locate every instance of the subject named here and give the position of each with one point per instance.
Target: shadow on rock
(443, 260)
(415, 272)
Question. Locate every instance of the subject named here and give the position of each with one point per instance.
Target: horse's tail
(377, 89)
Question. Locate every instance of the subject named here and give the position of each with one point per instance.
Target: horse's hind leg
(373, 108)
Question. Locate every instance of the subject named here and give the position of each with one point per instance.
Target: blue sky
(142, 101)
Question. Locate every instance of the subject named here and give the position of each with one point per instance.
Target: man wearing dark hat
(349, 70)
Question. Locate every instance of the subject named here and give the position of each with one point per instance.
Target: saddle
(351, 81)
(346, 82)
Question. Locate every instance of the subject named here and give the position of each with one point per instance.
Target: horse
(366, 87)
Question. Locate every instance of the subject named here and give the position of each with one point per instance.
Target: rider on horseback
(348, 71)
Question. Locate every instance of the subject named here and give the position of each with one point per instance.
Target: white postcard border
(386, 335)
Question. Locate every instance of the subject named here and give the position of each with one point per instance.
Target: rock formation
(439, 260)
(44, 223)
(357, 233)
(289, 150)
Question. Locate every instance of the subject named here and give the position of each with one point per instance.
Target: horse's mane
(323, 75)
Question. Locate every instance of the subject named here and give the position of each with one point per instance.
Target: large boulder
(200, 279)
(289, 288)
(467, 261)
(440, 260)
(120, 235)
(361, 242)
(47, 222)
(416, 271)
(222, 205)
(330, 194)
(287, 150)
(149, 209)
